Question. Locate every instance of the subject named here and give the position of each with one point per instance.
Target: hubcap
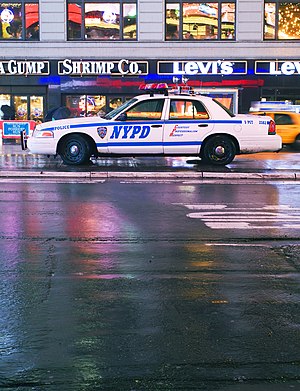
(219, 150)
(74, 150)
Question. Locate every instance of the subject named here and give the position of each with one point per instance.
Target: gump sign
(17, 67)
(94, 68)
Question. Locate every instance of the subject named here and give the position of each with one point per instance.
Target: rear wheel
(74, 150)
(219, 150)
(296, 144)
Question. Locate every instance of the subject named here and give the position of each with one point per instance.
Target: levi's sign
(218, 67)
(278, 67)
(24, 68)
(94, 68)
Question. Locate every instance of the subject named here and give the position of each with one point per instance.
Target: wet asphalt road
(149, 286)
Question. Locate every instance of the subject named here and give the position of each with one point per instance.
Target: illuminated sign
(278, 67)
(12, 129)
(94, 68)
(7, 15)
(218, 67)
(125, 67)
(24, 68)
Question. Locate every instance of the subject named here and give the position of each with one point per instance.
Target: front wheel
(74, 150)
(219, 150)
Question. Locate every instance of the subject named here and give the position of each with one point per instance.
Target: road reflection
(113, 286)
(12, 158)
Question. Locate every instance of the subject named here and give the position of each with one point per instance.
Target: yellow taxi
(287, 126)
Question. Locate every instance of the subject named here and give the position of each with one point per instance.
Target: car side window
(183, 109)
(283, 119)
(146, 110)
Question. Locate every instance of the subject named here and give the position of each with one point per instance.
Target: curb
(92, 175)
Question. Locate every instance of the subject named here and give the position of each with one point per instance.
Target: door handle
(203, 125)
(156, 126)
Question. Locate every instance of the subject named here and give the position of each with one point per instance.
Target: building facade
(91, 55)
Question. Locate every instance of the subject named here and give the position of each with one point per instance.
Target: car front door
(187, 125)
(139, 130)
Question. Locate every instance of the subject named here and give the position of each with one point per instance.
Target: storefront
(22, 96)
(92, 87)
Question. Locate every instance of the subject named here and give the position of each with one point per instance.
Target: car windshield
(224, 108)
(118, 110)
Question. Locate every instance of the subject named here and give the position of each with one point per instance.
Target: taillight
(272, 128)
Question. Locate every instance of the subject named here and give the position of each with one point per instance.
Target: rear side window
(224, 108)
(183, 109)
(283, 119)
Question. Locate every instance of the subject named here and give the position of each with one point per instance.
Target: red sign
(11, 129)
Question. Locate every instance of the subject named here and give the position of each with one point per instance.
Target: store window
(22, 107)
(200, 21)
(281, 20)
(20, 20)
(86, 105)
(93, 105)
(114, 102)
(99, 20)
(6, 110)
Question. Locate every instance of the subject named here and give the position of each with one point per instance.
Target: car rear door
(188, 123)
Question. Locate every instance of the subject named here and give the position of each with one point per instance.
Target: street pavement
(283, 165)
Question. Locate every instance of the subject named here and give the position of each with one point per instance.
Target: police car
(158, 122)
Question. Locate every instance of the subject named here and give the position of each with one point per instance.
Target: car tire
(75, 150)
(296, 144)
(218, 150)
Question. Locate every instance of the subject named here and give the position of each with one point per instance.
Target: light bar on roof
(153, 86)
(163, 88)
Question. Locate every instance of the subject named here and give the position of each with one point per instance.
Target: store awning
(32, 14)
(74, 13)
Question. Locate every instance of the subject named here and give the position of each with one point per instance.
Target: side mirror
(122, 117)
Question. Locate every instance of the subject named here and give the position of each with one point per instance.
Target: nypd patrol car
(158, 123)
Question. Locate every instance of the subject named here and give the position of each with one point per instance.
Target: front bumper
(41, 146)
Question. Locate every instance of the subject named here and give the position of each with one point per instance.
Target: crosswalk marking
(235, 216)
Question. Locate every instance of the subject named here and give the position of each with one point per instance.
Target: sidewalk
(284, 165)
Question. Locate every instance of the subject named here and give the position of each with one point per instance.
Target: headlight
(43, 134)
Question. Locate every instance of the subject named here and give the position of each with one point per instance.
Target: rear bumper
(271, 143)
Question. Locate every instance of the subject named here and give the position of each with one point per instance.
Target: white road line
(224, 216)
(237, 207)
(245, 225)
(237, 245)
(235, 218)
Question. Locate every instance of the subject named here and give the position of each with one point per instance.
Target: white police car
(158, 123)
